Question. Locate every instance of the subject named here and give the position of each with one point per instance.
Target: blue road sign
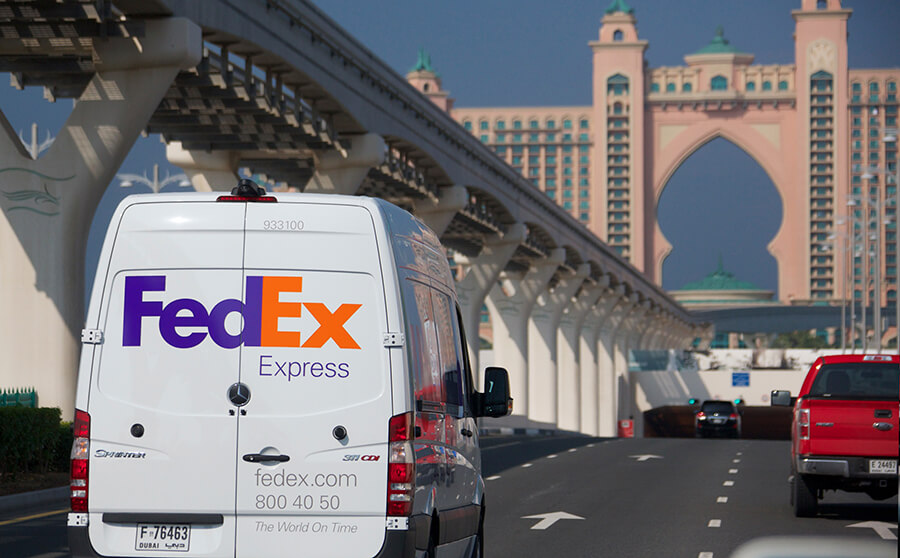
(740, 379)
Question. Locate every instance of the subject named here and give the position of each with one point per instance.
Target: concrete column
(606, 365)
(336, 174)
(589, 357)
(438, 215)
(481, 276)
(510, 304)
(636, 323)
(572, 363)
(47, 205)
(208, 170)
(542, 347)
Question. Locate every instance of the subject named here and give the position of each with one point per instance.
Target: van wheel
(431, 550)
(478, 549)
(804, 498)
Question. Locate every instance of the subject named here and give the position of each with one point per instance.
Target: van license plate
(883, 466)
(155, 537)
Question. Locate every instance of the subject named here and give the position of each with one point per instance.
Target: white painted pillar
(481, 276)
(589, 359)
(208, 171)
(438, 215)
(571, 363)
(47, 205)
(606, 365)
(337, 174)
(636, 324)
(510, 304)
(542, 346)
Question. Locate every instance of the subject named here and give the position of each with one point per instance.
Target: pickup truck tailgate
(853, 427)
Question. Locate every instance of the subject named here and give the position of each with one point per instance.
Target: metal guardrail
(18, 398)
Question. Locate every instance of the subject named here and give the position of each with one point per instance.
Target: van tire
(478, 548)
(433, 537)
(804, 497)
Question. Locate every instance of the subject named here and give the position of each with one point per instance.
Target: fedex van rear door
(163, 431)
(312, 451)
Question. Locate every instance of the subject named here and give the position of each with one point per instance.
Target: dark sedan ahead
(717, 418)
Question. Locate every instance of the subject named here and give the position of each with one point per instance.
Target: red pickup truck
(844, 429)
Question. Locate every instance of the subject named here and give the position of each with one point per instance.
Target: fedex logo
(260, 316)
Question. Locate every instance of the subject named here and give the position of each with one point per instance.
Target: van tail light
(401, 465)
(701, 416)
(803, 423)
(78, 480)
(732, 416)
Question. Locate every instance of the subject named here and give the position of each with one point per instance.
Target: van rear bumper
(397, 544)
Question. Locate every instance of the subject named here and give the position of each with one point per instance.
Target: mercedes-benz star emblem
(239, 394)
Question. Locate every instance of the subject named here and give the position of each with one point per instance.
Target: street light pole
(129, 180)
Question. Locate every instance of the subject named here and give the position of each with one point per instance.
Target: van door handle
(883, 426)
(262, 458)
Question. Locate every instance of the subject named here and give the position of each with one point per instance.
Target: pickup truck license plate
(155, 537)
(883, 466)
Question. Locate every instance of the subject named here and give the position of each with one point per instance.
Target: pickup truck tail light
(803, 424)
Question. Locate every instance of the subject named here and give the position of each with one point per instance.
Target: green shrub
(31, 441)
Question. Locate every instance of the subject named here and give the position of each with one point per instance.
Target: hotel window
(501, 124)
(533, 124)
(584, 217)
(567, 194)
(500, 149)
(517, 124)
(618, 35)
(782, 85)
(583, 148)
(583, 159)
(686, 88)
(484, 138)
(583, 124)
(551, 160)
(584, 193)
(467, 125)
(567, 149)
(567, 171)
(857, 87)
(617, 85)
(718, 83)
(767, 85)
(551, 149)
(534, 171)
(654, 87)
(517, 149)
(567, 205)
(551, 193)
(517, 138)
(567, 137)
(892, 87)
(551, 124)
(567, 182)
(501, 137)
(567, 124)
(550, 171)
(483, 125)
(583, 182)
(517, 160)
(551, 183)
(533, 138)
(534, 160)
(551, 137)
(670, 87)
(751, 86)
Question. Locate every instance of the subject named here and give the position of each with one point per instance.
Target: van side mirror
(781, 398)
(495, 401)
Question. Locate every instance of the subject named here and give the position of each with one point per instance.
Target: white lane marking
(498, 446)
(573, 450)
(735, 460)
(714, 523)
(705, 555)
(739, 453)
(719, 500)
(732, 471)
(494, 477)
(645, 457)
(880, 527)
(548, 519)
(554, 456)
(527, 465)
(590, 445)
(728, 483)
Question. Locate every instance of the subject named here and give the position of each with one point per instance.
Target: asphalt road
(637, 498)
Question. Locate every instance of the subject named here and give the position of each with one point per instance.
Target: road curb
(24, 500)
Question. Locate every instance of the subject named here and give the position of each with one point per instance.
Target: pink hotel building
(815, 126)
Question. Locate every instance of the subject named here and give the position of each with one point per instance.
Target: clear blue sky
(535, 53)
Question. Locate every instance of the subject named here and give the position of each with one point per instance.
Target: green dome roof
(619, 6)
(718, 45)
(720, 280)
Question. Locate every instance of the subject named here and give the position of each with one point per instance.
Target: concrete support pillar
(542, 346)
(47, 205)
(510, 304)
(481, 276)
(336, 174)
(606, 365)
(573, 365)
(438, 215)
(636, 324)
(589, 357)
(208, 170)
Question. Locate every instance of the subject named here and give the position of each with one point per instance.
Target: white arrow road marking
(883, 529)
(548, 519)
(494, 477)
(645, 457)
(705, 555)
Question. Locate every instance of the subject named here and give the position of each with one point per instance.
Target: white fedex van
(275, 376)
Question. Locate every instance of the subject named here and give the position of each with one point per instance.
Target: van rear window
(858, 380)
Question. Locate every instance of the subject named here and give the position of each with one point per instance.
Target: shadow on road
(505, 452)
(873, 511)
